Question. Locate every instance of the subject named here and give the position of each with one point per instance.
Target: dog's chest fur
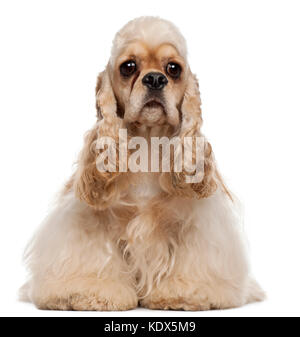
(145, 186)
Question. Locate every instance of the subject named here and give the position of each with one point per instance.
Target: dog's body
(118, 239)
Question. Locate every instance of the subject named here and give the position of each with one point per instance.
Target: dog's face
(149, 83)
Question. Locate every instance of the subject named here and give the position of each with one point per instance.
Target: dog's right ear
(106, 103)
(98, 189)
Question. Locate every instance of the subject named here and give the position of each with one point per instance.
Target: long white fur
(84, 259)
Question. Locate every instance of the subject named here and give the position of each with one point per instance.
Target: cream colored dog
(118, 239)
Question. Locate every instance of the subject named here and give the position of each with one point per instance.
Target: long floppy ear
(92, 186)
(191, 109)
(106, 103)
(191, 115)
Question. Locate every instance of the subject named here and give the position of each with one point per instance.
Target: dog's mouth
(154, 105)
(152, 113)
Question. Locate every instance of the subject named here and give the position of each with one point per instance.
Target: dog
(117, 240)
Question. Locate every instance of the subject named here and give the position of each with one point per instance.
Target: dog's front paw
(85, 295)
(173, 303)
(175, 295)
(180, 294)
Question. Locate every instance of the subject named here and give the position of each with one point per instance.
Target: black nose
(155, 81)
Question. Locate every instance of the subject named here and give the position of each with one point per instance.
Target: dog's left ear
(191, 127)
(191, 108)
(106, 103)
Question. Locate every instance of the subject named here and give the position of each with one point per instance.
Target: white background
(247, 58)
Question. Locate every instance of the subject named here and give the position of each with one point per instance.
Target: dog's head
(147, 78)
(147, 83)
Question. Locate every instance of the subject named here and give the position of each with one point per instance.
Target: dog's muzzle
(155, 81)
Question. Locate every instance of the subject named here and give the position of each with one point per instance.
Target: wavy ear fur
(191, 109)
(106, 103)
(175, 182)
(97, 188)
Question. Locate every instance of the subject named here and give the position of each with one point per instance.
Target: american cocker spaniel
(121, 238)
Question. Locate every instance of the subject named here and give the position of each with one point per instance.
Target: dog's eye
(173, 69)
(127, 68)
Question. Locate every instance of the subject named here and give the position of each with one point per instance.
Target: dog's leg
(74, 264)
(210, 269)
(184, 292)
